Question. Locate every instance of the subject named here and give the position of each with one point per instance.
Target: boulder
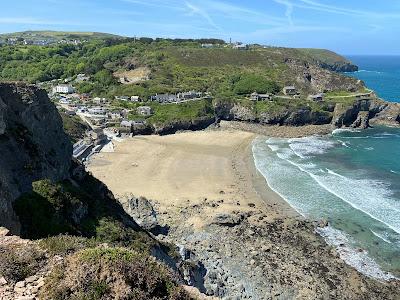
(229, 220)
(141, 210)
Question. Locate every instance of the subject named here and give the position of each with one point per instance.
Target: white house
(144, 110)
(135, 98)
(290, 90)
(317, 97)
(260, 97)
(63, 89)
(99, 100)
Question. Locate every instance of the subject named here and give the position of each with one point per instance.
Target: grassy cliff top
(58, 35)
(324, 55)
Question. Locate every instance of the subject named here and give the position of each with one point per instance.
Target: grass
(182, 112)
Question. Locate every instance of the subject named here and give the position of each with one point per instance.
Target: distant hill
(57, 35)
(329, 60)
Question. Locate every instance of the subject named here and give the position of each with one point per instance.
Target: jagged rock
(141, 210)
(230, 220)
(33, 145)
(362, 120)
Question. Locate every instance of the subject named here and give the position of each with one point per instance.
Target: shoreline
(271, 198)
(206, 189)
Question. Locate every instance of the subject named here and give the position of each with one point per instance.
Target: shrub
(250, 82)
(111, 273)
(17, 263)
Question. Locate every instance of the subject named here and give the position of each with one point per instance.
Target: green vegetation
(181, 112)
(58, 35)
(323, 55)
(172, 66)
(74, 127)
(61, 208)
(17, 263)
(116, 273)
(249, 83)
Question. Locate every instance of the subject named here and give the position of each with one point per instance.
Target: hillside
(79, 242)
(329, 60)
(172, 66)
(57, 35)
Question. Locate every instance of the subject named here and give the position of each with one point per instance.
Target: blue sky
(348, 27)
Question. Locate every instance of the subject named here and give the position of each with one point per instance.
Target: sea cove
(351, 178)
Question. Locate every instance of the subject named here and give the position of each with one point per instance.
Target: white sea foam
(394, 172)
(340, 130)
(310, 146)
(369, 148)
(368, 71)
(380, 236)
(370, 197)
(344, 144)
(358, 260)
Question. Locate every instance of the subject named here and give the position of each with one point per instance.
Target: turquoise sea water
(351, 178)
(380, 73)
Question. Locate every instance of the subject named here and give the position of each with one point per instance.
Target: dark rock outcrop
(33, 145)
(172, 127)
(359, 114)
(339, 67)
(141, 210)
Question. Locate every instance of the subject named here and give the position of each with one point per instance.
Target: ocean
(350, 178)
(380, 73)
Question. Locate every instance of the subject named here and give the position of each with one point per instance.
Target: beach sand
(262, 248)
(184, 169)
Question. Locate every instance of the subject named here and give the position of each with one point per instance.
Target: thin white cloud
(195, 10)
(289, 9)
(315, 5)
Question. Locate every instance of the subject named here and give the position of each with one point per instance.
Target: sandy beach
(245, 240)
(187, 168)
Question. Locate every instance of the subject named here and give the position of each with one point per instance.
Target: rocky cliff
(358, 114)
(33, 145)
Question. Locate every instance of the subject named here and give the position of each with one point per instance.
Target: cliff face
(316, 77)
(360, 114)
(339, 67)
(33, 145)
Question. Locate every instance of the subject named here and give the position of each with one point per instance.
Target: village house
(189, 95)
(97, 113)
(99, 101)
(114, 115)
(135, 99)
(164, 98)
(63, 89)
(260, 97)
(126, 124)
(318, 97)
(144, 110)
(290, 90)
(122, 98)
(207, 45)
(240, 46)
